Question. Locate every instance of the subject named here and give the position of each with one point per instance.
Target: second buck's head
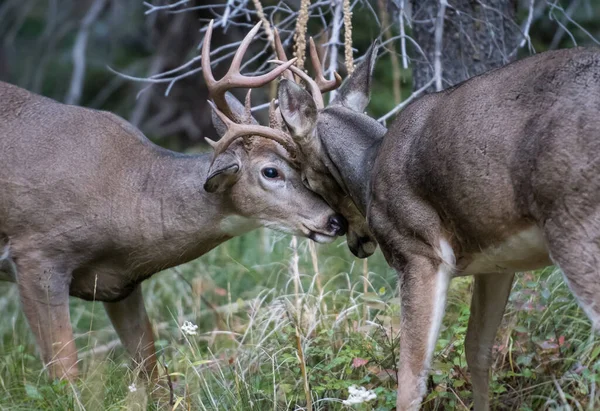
(255, 166)
(314, 128)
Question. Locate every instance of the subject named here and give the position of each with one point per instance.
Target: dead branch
(75, 89)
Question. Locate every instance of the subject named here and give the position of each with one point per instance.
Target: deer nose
(337, 224)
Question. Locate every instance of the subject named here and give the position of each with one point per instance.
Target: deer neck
(350, 141)
(175, 219)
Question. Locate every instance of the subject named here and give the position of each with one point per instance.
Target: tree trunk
(477, 36)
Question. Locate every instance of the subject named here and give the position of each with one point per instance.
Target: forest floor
(281, 326)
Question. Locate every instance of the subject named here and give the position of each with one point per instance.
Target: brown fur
(90, 208)
(513, 152)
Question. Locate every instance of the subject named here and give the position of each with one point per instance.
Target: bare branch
(401, 17)
(75, 89)
(152, 8)
(400, 106)
(334, 42)
(526, 38)
(439, 34)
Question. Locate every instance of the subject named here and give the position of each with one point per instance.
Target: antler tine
(315, 91)
(324, 84)
(272, 114)
(279, 50)
(206, 69)
(235, 131)
(239, 54)
(248, 107)
(275, 119)
(233, 78)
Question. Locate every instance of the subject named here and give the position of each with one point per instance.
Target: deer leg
(490, 294)
(44, 294)
(130, 320)
(423, 288)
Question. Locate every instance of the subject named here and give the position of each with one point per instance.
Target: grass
(285, 325)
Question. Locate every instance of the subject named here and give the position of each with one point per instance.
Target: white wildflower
(189, 328)
(132, 388)
(358, 395)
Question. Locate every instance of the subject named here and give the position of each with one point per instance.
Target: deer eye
(270, 172)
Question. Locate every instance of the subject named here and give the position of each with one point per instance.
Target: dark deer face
(313, 130)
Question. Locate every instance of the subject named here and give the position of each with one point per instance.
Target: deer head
(314, 127)
(257, 166)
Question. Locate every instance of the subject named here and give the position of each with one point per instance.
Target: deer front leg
(423, 287)
(490, 294)
(130, 320)
(44, 294)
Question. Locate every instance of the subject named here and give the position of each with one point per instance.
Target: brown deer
(496, 175)
(89, 207)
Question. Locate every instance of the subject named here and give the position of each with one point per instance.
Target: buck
(90, 208)
(497, 175)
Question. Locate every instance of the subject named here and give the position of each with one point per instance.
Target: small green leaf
(32, 392)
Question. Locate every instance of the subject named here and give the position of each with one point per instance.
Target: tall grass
(284, 325)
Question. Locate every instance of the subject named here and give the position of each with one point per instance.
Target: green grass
(273, 336)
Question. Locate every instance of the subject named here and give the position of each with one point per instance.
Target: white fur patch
(357, 101)
(525, 250)
(235, 225)
(443, 275)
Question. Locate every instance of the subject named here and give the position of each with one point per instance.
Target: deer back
(503, 143)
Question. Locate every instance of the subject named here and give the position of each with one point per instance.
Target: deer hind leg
(574, 244)
(130, 320)
(490, 294)
(44, 294)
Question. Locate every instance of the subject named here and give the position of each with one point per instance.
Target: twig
(170, 384)
(393, 57)
(526, 38)
(562, 28)
(439, 36)
(295, 271)
(75, 89)
(334, 41)
(226, 14)
(152, 8)
(315, 261)
(400, 106)
(403, 36)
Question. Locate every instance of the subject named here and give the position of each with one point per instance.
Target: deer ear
(355, 92)
(298, 109)
(223, 173)
(238, 110)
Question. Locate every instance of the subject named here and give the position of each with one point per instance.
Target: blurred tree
(39, 47)
(466, 38)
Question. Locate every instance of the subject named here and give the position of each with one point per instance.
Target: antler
(312, 85)
(324, 84)
(235, 131)
(280, 52)
(240, 127)
(233, 78)
(319, 84)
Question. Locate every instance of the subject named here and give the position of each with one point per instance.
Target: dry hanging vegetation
(269, 322)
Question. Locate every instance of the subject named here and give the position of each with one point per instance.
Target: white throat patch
(235, 225)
